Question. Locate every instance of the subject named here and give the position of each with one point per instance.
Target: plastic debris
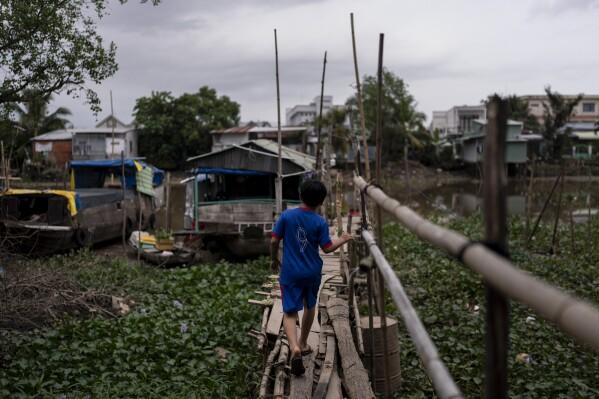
(523, 358)
(183, 328)
(530, 319)
(177, 304)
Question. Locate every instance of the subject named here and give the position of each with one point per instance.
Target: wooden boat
(230, 201)
(49, 221)
(177, 257)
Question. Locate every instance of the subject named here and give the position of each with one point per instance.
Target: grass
(185, 338)
(445, 294)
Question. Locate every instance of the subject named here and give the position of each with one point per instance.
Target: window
(588, 107)
(130, 147)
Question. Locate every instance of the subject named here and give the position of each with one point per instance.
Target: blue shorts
(294, 294)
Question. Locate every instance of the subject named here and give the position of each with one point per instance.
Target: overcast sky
(449, 52)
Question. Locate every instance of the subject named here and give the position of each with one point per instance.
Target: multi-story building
(587, 109)
(303, 114)
(456, 120)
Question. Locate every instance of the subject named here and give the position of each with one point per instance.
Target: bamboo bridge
(344, 362)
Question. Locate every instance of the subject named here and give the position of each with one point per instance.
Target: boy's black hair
(312, 193)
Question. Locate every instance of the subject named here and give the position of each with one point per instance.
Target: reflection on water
(580, 200)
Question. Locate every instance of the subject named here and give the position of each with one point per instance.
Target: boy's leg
(310, 298)
(307, 320)
(290, 326)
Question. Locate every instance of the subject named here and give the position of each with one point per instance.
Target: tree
(49, 46)
(558, 111)
(518, 111)
(173, 129)
(402, 123)
(33, 116)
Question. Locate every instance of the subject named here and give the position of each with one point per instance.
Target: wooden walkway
(335, 361)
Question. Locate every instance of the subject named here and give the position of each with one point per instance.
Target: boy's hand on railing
(346, 237)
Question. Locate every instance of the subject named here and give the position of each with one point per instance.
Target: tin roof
(260, 155)
(259, 129)
(67, 134)
(55, 135)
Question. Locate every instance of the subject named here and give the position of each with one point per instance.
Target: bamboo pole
(442, 381)
(269, 362)
(124, 205)
(319, 124)
(495, 216)
(5, 186)
(279, 185)
(554, 241)
(379, 212)
(575, 317)
(359, 101)
(262, 336)
(281, 376)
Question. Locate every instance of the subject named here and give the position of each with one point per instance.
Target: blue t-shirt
(302, 231)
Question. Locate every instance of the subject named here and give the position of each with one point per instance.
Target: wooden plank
(276, 318)
(334, 388)
(327, 369)
(354, 374)
(301, 387)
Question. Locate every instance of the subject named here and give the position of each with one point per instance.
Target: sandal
(297, 366)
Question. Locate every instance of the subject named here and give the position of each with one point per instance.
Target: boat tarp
(91, 174)
(225, 171)
(74, 202)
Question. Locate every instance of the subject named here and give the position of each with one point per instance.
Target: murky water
(580, 197)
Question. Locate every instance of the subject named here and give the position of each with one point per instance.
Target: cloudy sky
(449, 52)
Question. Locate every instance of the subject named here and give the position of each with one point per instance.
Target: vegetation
(172, 129)
(518, 111)
(402, 123)
(558, 111)
(450, 300)
(184, 337)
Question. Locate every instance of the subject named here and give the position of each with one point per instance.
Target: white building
(107, 140)
(457, 120)
(303, 114)
(291, 136)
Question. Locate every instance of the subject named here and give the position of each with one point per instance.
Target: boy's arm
(275, 263)
(337, 242)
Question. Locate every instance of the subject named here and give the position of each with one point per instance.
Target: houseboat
(104, 195)
(230, 195)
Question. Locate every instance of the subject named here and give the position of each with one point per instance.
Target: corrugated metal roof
(259, 129)
(304, 160)
(55, 135)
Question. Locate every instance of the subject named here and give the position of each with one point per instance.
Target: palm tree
(558, 111)
(33, 116)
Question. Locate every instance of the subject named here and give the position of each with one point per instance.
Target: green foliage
(172, 129)
(518, 111)
(445, 294)
(402, 123)
(49, 46)
(186, 337)
(557, 113)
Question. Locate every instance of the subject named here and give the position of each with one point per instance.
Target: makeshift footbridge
(341, 365)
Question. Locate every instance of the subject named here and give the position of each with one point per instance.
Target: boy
(302, 231)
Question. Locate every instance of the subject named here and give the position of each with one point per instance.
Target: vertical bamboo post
(123, 202)
(279, 184)
(359, 101)
(379, 212)
(495, 216)
(379, 132)
(319, 122)
(167, 205)
(554, 238)
(4, 171)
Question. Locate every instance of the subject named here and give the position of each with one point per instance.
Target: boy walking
(302, 231)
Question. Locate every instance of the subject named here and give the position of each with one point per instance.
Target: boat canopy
(73, 200)
(91, 173)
